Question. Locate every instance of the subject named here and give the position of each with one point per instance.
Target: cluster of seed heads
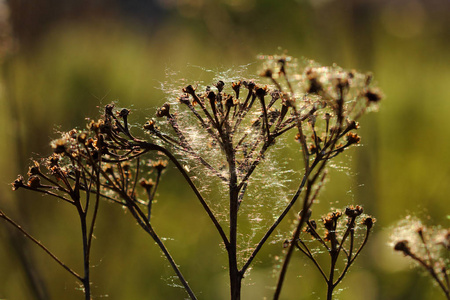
(227, 129)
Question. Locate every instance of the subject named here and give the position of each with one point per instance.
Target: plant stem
(86, 252)
(34, 240)
(330, 285)
(143, 221)
(291, 248)
(235, 274)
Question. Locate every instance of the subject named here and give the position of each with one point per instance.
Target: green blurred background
(62, 60)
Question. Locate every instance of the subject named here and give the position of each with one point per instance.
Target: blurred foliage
(62, 60)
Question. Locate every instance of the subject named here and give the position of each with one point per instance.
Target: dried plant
(340, 238)
(427, 246)
(225, 133)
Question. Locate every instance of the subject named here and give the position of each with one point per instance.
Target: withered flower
(368, 222)
(184, 99)
(18, 183)
(147, 184)
(189, 89)
(82, 138)
(267, 73)
(236, 87)
(353, 212)
(315, 87)
(123, 113)
(150, 125)
(352, 138)
(372, 95)
(34, 170)
(59, 146)
(403, 247)
(220, 85)
(34, 182)
(164, 111)
(160, 165)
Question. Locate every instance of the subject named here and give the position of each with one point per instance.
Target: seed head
(353, 212)
(147, 184)
(189, 89)
(34, 170)
(59, 146)
(34, 182)
(109, 109)
(184, 99)
(18, 183)
(160, 165)
(250, 85)
(330, 220)
(123, 113)
(368, 221)
(164, 111)
(315, 87)
(403, 246)
(82, 138)
(372, 95)
(220, 85)
(352, 138)
(236, 87)
(229, 101)
(267, 73)
(261, 92)
(150, 125)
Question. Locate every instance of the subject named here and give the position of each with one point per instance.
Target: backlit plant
(226, 136)
(427, 246)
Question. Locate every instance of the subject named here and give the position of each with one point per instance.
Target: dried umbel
(342, 236)
(427, 246)
(242, 120)
(228, 131)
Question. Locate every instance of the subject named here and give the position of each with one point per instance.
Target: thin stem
(308, 254)
(307, 203)
(151, 195)
(235, 274)
(278, 221)
(351, 259)
(96, 206)
(140, 217)
(334, 256)
(17, 226)
(433, 274)
(86, 255)
(191, 184)
(291, 248)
